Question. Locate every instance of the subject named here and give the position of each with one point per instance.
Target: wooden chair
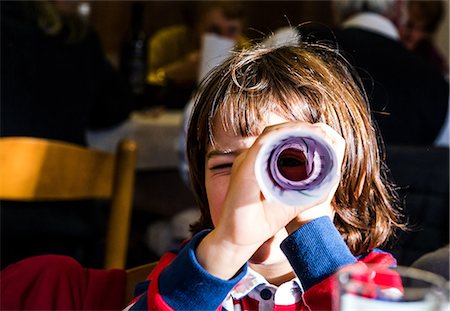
(134, 276)
(34, 169)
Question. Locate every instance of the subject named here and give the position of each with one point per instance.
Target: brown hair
(312, 83)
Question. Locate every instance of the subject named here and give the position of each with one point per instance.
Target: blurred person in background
(174, 52)
(407, 95)
(424, 19)
(56, 83)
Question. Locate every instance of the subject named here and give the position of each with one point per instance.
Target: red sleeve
(151, 299)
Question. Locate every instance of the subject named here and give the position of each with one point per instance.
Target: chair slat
(31, 170)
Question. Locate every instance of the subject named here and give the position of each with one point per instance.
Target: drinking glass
(361, 288)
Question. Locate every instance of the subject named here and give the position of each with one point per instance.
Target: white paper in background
(215, 50)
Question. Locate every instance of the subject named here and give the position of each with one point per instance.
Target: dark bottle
(133, 60)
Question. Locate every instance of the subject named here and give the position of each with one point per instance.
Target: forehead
(225, 137)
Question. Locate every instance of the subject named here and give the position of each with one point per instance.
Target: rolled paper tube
(297, 168)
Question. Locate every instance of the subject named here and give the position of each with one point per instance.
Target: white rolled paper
(297, 168)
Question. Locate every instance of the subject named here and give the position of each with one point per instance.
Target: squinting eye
(221, 166)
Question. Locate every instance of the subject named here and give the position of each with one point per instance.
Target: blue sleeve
(185, 285)
(316, 251)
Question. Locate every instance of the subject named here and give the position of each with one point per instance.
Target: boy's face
(219, 160)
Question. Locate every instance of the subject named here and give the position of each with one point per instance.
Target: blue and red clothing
(316, 252)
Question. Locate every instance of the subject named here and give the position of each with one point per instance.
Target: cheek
(216, 190)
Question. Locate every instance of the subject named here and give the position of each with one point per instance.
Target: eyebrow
(214, 153)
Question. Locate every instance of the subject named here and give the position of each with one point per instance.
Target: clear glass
(400, 288)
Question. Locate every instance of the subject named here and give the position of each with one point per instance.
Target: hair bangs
(244, 102)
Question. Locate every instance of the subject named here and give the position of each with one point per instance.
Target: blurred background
(113, 19)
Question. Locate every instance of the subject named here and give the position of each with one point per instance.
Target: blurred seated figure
(55, 79)
(408, 96)
(174, 52)
(56, 83)
(424, 19)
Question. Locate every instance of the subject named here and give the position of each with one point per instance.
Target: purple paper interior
(318, 163)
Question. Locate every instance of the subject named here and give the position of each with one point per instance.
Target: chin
(268, 253)
(263, 253)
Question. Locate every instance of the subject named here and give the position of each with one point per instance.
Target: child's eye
(221, 166)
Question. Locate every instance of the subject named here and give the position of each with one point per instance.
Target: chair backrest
(134, 276)
(422, 175)
(34, 169)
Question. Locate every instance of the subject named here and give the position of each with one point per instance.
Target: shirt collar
(250, 281)
(373, 22)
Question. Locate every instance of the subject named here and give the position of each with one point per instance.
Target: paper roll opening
(296, 168)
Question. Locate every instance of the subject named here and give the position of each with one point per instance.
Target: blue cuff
(185, 285)
(316, 251)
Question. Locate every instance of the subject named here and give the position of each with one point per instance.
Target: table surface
(156, 133)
